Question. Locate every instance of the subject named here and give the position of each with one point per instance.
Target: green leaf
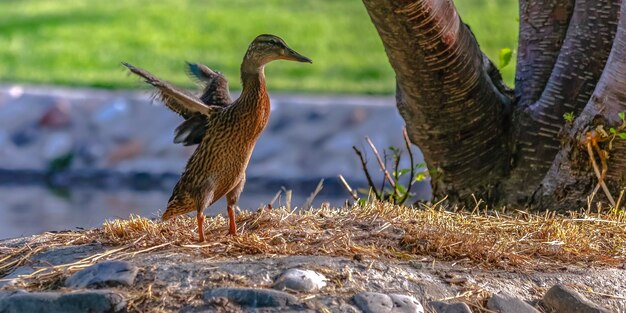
(401, 189)
(403, 171)
(621, 115)
(622, 135)
(420, 177)
(505, 57)
(612, 131)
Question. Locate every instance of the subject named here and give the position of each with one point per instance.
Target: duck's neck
(253, 81)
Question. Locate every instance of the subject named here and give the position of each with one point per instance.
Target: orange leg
(200, 218)
(232, 225)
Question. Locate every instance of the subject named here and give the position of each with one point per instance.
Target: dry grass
(378, 230)
(517, 240)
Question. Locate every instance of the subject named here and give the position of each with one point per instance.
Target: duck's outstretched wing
(215, 84)
(215, 93)
(178, 100)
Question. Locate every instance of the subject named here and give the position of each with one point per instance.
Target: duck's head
(266, 48)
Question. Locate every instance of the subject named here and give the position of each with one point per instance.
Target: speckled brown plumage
(226, 132)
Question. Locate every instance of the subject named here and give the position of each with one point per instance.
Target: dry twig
(591, 142)
(382, 165)
(365, 170)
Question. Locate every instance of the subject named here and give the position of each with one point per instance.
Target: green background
(82, 42)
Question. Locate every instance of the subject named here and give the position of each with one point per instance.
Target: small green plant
(396, 182)
(568, 117)
(619, 132)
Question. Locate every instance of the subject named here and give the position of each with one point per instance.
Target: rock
(251, 297)
(111, 111)
(16, 91)
(114, 120)
(374, 302)
(406, 304)
(442, 307)
(300, 280)
(269, 147)
(13, 276)
(6, 294)
(56, 145)
(103, 301)
(109, 273)
(505, 303)
(65, 255)
(562, 299)
(57, 116)
(24, 136)
(128, 149)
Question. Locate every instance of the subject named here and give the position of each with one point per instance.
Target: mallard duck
(225, 130)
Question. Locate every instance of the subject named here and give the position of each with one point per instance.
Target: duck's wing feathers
(174, 98)
(215, 93)
(215, 84)
(191, 131)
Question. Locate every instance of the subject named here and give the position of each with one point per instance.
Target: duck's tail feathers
(178, 205)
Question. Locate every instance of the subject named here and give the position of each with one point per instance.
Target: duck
(225, 131)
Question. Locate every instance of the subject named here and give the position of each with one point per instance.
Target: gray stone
(109, 273)
(442, 307)
(65, 255)
(56, 145)
(7, 294)
(13, 276)
(111, 111)
(562, 299)
(57, 115)
(100, 301)
(405, 304)
(300, 280)
(24, 136)
(251, 297)
(505, 303)
(113, 119)
(374, 302)
(208, 308)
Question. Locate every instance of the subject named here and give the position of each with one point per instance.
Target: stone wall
(90, 130)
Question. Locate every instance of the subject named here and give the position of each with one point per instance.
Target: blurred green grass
(81, 42)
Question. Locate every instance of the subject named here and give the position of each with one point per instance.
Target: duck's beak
(292, 55)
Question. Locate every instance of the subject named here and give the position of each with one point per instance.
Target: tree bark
(576, 71)
(543, 25)
(477, 136)
(570, 180)
(450, 92)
